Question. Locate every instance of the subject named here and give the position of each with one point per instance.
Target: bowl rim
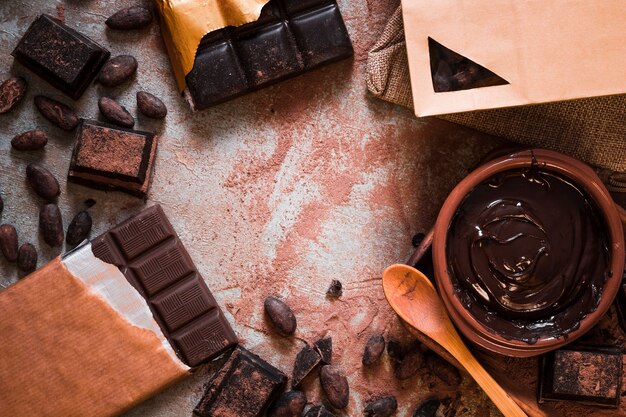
(584, 177)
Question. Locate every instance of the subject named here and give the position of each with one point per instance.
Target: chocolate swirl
(528, 254)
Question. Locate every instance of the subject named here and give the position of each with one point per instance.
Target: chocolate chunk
(335, 290)
(65, 58)
(79, 228)
(243, 387)
(335, 386)
(374, 348)
(289, 404)
(117, 70)
(27, 257)
(31, 140)
(150, 255)
(281, 316)
(287, 40)
(51, 224)
(443, 369)
(113, 158)
(306, 360)
(592, 375)
(8, 242)
(115, 113)
(428, 408)
(318, 411)
(150, 105)
(42, 181)
(56, 112)
(11, 92)
(324, 347)
(410, 363)
(381, 407)
(134, 17)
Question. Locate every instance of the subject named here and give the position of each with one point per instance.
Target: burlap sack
(593, 130)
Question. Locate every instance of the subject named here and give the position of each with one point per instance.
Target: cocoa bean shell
(8, 242)
(57, 113)
(79, 228)
(289, 404)
(11, 92)
(134, 17)
(335, 386)
(280, 315)
(114, 112)
(31, 140)
(150, 105)
(381, 407)
(42, 181)
(27, 257)
(117, 70)
(51, 225)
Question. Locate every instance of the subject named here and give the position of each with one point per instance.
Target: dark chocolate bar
(148, 252)
(243, 387)
(112, 157)
(592, 375)
(62, 56)
(289, 38)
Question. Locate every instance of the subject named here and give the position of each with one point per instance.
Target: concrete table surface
(277, 192)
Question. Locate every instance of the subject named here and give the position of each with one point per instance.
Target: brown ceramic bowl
(584, 177)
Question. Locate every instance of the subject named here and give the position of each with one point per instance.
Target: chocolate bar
(114, 158)
(62, 56)
(592, 375)
(290, 37)
(243, 387)
(152, 258)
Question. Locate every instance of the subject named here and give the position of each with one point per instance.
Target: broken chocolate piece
(324, 347)
(318, 411)
(306, 360)
(115, 158)
(335, 290)
(243, 387)
(281, 316)
(63, 57)
(289, 404)
(592, 375)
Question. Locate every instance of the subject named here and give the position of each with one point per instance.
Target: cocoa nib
(57, 113)
(11, 92)
(117, 70)
(374, 348)
(289, 404)
(51, 224)
(382, 407)
(42, 181)
(335, 386)
(134, 17)
(29, 141)
(306, 360)
(79, 228)
(114, 112)
(27, 257)
(281, 316)
(8, 242)
(150, 106)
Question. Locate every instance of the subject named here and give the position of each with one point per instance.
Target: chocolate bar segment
(149, 254)
(243, 387)
(62, 56)
(289, 38)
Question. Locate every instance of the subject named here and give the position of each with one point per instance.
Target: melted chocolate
(528, 254)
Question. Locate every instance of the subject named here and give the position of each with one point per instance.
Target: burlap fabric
(593, 130)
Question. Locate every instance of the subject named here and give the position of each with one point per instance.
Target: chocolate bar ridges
(62, 56)
(148, 252)
(243, 387)
(592, 375)
(289, 38)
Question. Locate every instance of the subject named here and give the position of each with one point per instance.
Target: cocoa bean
(27, 257)
(11, 92)
(79, 228)
(374, 348)
(289, 404)
(428, 408)
(318, 411)
(117, 70)
(382, 407)
(51, 224)
(8, 242)
(443, 369)
(335, 290)
(281, 316)
(150, 106)
(57, 113)
(410, 363)
(335, 386)
(134, 17)
(114, 112)
(29, 141)
(42, 181)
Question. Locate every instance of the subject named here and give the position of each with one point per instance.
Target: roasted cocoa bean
(8, 242)
(289, 404)
(117, 70)
(318, 411)
(11, 92)
(79, 228)
(114, 112)
(150, 105)
(42, 181)
(428, 408)
(374, 348)
(443, 369)
(134, 17)
(382, 407)
(410, 363)
(1, 204)
(51, 224)
(335, 386)
(281, 316)
(30, 141)
(57, 113)
(27, 257)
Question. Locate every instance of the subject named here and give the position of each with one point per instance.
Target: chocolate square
(62, 56)
(110, 157)
(243, 387)
(588, 374)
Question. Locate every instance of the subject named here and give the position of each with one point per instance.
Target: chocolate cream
(528, 254)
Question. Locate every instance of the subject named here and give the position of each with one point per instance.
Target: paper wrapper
(185, 22)
(547, 50)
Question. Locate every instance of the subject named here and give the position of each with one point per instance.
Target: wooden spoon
(415, 300)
